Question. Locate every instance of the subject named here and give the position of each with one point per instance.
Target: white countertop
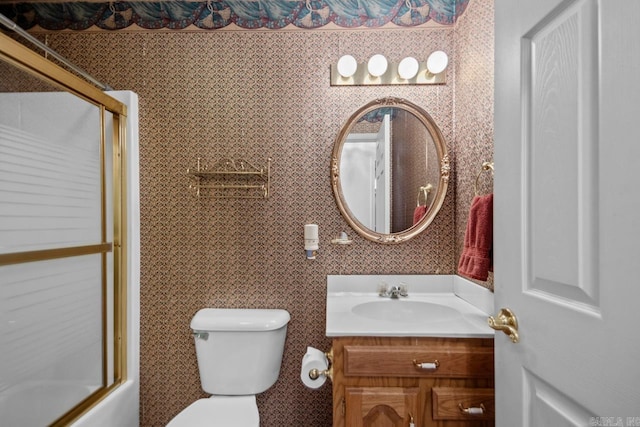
(461, 311)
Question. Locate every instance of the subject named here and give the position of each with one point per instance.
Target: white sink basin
(432, 309)
(399, 310)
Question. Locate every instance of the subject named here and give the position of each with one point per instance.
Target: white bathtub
(120, 409)
(37, 404)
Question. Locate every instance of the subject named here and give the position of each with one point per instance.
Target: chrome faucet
(394, 292)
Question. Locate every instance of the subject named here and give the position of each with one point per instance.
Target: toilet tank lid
(232, 319)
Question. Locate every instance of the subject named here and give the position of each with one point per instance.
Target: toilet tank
(239, 351)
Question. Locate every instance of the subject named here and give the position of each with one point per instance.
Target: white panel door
(357, 172)
(567, 211)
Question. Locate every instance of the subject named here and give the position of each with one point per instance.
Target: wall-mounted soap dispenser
(311, 240)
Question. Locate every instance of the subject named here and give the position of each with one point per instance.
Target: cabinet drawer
(398, 361)
(451, 403)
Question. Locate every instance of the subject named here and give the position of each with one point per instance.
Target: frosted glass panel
(50, 336)
(52, 313)
(49, 172)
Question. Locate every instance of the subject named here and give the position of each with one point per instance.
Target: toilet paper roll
(313, 359)
(312, 351)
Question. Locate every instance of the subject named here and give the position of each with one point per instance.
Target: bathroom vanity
(426, 358)
(382, 378)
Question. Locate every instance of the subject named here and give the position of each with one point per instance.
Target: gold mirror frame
(441, 190)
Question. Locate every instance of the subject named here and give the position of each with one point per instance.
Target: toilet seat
(219, 411)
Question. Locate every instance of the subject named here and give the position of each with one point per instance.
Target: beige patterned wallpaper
(473, 114)
(254, 95)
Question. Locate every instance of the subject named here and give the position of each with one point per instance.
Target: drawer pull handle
(431, 366)
(472, 411)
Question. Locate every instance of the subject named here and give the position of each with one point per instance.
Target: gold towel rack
(424, 191)
(232, 179)
(486, 167)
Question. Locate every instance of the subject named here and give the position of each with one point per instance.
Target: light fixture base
(390, 77)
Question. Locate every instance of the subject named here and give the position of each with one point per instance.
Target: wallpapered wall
(473, 114)
(254, 95)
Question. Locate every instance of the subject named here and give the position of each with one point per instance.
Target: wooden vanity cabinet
(380, 382)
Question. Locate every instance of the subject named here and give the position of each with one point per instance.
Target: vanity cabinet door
(380, 406)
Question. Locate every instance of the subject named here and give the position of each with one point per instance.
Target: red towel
(418, 213)
(477, 256)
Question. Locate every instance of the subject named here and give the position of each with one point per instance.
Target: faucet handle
(383, 289)
(404, 290)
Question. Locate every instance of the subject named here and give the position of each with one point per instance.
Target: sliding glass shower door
(61, 287)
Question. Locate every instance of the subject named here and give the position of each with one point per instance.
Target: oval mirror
(389, 170)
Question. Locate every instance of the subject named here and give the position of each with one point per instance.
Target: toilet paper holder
(314, 374)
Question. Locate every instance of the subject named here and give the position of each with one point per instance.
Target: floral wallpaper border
(216, 14)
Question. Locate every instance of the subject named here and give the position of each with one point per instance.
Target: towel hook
(424, 191)
(486, 167)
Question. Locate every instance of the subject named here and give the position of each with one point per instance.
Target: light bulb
(437, 62)
(377, 65)
(347, 66)
(408, 68)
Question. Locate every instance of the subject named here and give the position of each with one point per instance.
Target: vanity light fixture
(437, 62)
(347, 66)
(377, 65)
(408, 68)
(379, 71)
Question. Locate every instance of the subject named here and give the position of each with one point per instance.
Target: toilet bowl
(239, 355)
(219, 411)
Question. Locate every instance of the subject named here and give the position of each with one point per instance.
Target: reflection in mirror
(390, 170)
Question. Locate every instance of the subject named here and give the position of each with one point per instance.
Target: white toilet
(239, 355)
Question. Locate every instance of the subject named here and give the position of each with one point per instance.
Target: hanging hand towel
(418, 213)
(477, 258)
